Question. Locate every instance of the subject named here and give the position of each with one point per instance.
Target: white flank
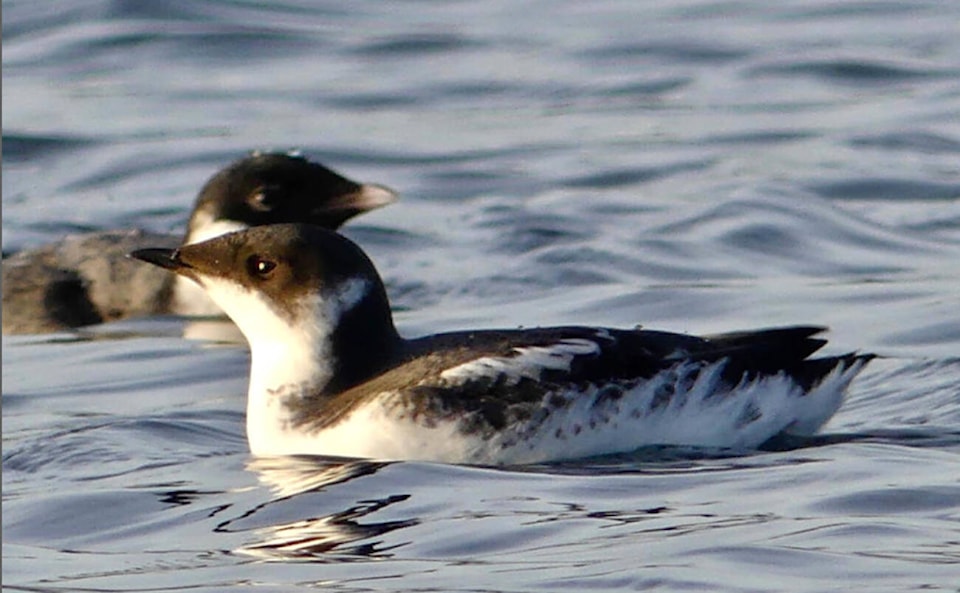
(701, 414)
(529, 362)
(188, 297)
(820, 404)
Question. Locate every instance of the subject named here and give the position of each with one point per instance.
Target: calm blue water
(696, 165)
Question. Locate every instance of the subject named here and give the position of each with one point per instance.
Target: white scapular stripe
(529, 362)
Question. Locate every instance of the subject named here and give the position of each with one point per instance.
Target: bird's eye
(259, 266)
(260, 200)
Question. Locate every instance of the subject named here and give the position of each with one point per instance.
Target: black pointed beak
(165, 258)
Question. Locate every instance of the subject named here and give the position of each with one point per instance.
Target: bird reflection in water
(292, 480)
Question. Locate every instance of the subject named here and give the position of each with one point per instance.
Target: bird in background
(87, 278)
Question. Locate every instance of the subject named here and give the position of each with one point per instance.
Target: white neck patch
(346, 296)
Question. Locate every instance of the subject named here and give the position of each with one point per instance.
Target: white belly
(703, 414)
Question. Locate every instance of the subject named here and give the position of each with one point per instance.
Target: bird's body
(330, 375)
(558, 393)
(86, 278)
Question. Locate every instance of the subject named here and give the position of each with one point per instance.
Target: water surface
(693, 166)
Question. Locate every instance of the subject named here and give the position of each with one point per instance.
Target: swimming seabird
(330, 375)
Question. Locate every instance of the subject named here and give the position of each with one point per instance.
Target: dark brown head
(277, 188)
(296, 289)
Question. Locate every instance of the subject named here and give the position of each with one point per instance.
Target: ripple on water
(909, 141)
(402, 46)
(886, 501)
(698, 166)
(887, 189)
(24, 148)
(854, 72)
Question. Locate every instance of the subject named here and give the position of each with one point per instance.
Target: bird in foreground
(86, 279)
(330, 375)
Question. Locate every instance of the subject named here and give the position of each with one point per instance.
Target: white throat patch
(290, 358)
(285, 351)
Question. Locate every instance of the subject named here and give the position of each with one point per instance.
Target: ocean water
(697, 166)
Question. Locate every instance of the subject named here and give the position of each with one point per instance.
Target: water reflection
(288, 534)
(288, 476)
